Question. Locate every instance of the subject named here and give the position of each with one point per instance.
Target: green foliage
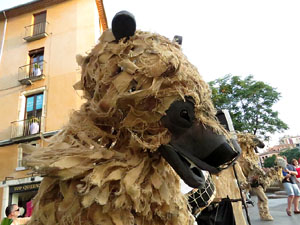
(249, 103)
(291, 154)
(269, 162)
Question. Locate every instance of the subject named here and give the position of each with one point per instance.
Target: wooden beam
(102, 15)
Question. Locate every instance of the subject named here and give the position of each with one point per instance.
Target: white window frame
(20, 159)
(20, 166)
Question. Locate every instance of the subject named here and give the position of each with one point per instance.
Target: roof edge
(27, 8)
(19, 6)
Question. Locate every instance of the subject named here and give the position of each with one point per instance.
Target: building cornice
(28, 7)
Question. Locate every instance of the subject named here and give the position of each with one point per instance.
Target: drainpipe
(3, 36)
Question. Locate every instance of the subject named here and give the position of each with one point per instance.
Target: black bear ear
(123, 25)
(178, 39)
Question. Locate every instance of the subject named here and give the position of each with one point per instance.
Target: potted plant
(36, 69)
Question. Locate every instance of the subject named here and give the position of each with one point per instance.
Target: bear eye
(132, 89)
(133, 85)
(185, 115)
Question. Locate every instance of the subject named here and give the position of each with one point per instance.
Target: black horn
(123, 25)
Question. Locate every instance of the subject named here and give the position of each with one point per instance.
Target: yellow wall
(71, 32)
(9, 154)
(8, 112)
(1, 194)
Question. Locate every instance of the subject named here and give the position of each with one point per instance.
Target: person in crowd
(12, 213)
(29, 208)
(291, 187)
(296, 165)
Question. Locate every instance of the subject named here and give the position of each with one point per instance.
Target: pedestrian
(291, 187)
(12, 212)
(296, 165)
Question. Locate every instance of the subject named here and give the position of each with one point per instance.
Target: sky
(6, 4)
(238, 37)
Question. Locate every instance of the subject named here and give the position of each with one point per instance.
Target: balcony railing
(28, 127)
(36, 31)
(31, 72)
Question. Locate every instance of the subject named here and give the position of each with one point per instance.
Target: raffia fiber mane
(103, 167)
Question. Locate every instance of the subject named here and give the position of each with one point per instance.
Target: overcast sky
(258, 37)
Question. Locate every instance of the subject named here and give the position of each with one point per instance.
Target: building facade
(292, 140)
(39, 42)
(265, 155)
(275, 150)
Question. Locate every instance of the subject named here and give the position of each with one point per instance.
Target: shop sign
(24, 187)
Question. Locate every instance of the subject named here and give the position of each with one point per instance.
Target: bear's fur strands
(103, 167)
(249, 162)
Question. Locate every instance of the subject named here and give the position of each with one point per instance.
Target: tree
(291, 154)
(249, 103)
(269, 162)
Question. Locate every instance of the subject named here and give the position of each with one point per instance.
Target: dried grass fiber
(103, 167)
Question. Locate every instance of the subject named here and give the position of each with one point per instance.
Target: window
(21, 155)
(38, 29)
(34, 105)
(33, 114)
(39, 23)
(36, 62)
(31, 110)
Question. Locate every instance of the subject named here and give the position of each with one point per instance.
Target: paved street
(277, 208)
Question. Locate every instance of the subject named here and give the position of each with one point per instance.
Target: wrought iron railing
(33, 71)
(23, 128)
(36, 31)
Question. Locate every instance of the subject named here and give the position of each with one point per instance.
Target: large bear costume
(148, 120)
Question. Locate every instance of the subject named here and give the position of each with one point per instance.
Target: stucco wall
(9, 154)
(71, 32)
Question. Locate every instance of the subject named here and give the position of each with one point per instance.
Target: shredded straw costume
(106, 165)
(258, 179)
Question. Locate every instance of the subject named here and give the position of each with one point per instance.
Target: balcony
(36, 31)
(27, 129)
(31, 72)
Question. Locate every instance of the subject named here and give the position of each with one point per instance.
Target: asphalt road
(277, 209)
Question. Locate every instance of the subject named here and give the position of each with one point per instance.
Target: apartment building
(39, 42)
(292, 140)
